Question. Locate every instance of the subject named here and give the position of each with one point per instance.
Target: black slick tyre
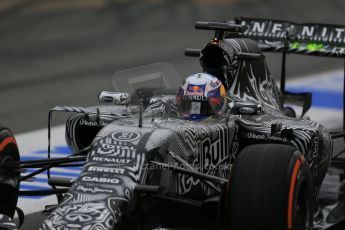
(270, 187)
(9, 180)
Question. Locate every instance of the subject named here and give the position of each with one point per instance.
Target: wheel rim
(302, 208)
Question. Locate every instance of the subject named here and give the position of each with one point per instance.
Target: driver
(201, 96)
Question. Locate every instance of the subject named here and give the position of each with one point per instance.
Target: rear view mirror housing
(116, 98)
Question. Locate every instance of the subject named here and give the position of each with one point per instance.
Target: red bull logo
(195, 90)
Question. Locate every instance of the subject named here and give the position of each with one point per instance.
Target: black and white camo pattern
(97, 215)
(70, 109)
(165, 102)
(121, 151)
(251, 80)
(209, 147)
(92, 116)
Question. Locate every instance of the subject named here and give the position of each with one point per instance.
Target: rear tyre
(270, 187)
(9, 181)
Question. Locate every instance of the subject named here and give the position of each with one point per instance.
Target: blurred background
(64, 52)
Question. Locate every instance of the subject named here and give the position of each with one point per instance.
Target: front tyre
(270, 187)
(9, 181)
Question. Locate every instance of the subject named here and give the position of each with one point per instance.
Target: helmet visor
(199, 108)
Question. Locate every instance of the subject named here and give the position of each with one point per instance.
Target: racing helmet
(200, 96)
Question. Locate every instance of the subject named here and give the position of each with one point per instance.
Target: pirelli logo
(106, 169)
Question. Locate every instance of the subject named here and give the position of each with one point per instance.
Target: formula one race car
(256, 166)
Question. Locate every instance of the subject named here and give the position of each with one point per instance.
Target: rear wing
(287, 37)
(309, 38)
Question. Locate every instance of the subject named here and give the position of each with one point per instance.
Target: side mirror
(114, 98)
(300, 99)
(239, 108)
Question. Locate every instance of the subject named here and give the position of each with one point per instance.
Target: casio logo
(101, 180)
